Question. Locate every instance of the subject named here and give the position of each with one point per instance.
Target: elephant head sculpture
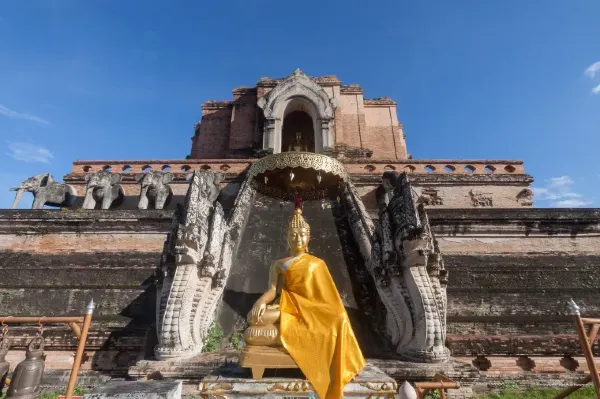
(45, 191)
(155, 189)
(102, 187)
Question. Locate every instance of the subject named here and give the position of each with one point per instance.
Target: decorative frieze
(481, 199)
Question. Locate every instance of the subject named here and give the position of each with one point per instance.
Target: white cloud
(559, 190)
(596, 90)
(9, 113)
(572, 203)
(28, 152)
(592, 69)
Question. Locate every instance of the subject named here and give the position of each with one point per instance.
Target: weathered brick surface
(233, 125)
(213, 135)
(349, 118)
(382, 133)
(511, 272)
(243, 118)
(54, 262)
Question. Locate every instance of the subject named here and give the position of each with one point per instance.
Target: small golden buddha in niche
(298, 146)
(313, 328)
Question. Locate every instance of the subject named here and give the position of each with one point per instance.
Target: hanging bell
(319, 178)
(27, 377)
(4, 365)
(291, 176)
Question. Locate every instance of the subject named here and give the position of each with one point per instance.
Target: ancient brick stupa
(443, 265)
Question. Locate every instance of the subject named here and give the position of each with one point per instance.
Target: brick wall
(511, 273)
(53, 262)
(382, 132)
(242, 121)
(213, 134)
(353, 124)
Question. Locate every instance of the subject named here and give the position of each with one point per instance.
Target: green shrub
(237, 340)
(212, 342)
(587, 392)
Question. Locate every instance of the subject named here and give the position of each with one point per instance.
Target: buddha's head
(298, 234)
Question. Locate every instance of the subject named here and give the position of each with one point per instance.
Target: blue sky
(124, 79)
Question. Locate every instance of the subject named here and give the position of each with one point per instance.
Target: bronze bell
(27, 378)
(4, 365)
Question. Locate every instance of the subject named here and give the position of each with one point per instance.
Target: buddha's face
(298, 239)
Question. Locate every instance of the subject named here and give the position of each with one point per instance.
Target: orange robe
(315, 329)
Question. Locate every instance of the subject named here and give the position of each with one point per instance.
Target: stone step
(76, 277)
(499, 303)
(135, 303)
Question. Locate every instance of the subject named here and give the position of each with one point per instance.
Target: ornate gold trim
(294, 386)
(380, 387)
(306, 160)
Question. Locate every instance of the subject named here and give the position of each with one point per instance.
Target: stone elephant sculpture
(104, 188)
(155, 189)
(45, 191)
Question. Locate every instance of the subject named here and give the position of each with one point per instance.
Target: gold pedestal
(259, 358)
(263, 346)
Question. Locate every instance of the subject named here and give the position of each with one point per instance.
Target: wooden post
(87, 320)
(586, 341)
(587, 352)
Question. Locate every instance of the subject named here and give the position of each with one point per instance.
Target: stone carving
(102, 187)
(155, 188)
(429, 196)
(406, 264)
(297, 87)
(525, 197)
(195, 265)
(341, 151)
(45, 191)
(480, 199)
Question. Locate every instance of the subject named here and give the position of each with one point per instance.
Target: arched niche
(297, 93)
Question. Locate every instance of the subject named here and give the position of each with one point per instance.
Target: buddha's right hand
(257, 311)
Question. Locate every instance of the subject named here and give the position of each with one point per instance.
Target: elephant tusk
(18, 196)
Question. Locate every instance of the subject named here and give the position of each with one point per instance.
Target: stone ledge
(82, 220)
(439, 179)
(522, 345)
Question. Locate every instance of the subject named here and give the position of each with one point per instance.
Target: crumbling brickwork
(512, 272)
(228, 126)
(54, 262)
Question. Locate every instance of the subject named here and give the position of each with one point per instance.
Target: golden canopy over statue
(314, 328)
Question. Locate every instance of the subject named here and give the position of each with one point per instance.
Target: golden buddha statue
(309, 328)
(297, 146)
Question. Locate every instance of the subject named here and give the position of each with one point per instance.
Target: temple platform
(208, 374)
(371, 382)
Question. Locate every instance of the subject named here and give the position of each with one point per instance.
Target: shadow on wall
(135, 341)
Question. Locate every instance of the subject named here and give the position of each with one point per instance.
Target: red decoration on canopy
(297, 201)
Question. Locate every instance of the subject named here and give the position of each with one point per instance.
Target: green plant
(212, 342)
(237, 340)
(509, 385)
(586, 392)
(433, 394)
(79, 391)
